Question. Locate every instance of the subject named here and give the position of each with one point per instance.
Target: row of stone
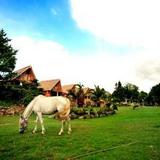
(14, 110)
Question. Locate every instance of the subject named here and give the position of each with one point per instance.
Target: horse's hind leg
(69, 126)
(35, 128)
(62, 128)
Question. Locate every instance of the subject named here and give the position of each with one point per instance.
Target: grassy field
(128, 135)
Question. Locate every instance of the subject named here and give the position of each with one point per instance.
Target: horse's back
(61, 102)
(47, 105)
(57, 100)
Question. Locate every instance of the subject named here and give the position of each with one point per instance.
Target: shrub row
(90, 112)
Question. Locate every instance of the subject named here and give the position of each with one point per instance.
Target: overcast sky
(92, 42)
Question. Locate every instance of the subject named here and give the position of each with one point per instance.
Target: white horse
(46, 105)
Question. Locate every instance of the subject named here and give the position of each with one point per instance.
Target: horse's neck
(28, 111)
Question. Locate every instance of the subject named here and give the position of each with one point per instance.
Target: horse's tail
(29, 108)
(64, 115)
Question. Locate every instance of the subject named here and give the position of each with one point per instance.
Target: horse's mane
(28, 110)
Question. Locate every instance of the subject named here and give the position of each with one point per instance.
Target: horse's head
(22, 124)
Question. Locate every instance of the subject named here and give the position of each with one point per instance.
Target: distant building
(25, 74)
(68, 88)
(51, 87)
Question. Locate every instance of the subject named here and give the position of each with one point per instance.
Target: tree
(154, 95)
(131, 92)
(142, 98)
(98, 95)
(10, 91)
(118, 93)
(7, 56)
(127, 93)
(78, 95)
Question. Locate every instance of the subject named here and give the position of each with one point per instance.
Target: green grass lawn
(128, 135)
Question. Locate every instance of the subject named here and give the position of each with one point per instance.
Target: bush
(90, 112)
(19, 94)
(6, 104)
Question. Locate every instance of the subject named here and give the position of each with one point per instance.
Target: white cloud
(147, 68)
(47, 58)
(134, 23)
(51, 60)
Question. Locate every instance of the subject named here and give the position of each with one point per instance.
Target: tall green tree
(142, 98)
(7, 56)
(131, 92)
(118, 93)
(154, 95)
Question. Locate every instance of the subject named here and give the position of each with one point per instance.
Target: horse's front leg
(41, 121)
(35, 128)
(62, 128)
